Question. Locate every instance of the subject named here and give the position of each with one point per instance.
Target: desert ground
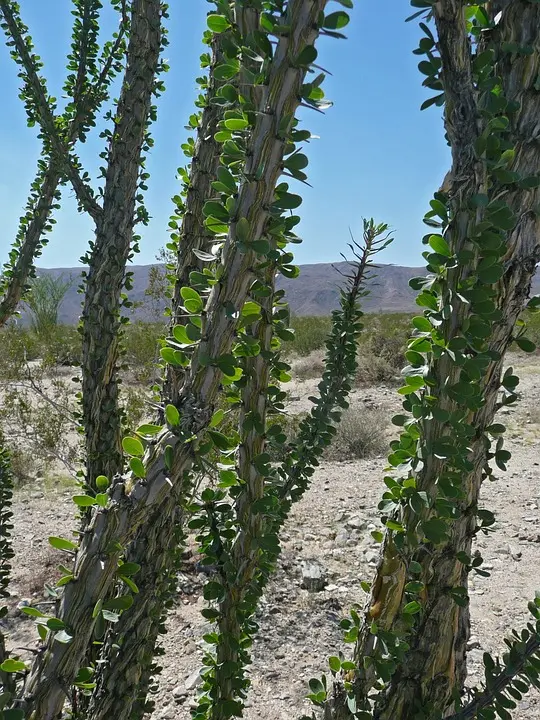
(299, 627)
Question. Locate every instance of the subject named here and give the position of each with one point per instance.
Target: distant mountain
(314, 292)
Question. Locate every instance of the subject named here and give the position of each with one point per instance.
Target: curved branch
(44, 114)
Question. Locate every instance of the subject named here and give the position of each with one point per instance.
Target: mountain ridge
(314, 292)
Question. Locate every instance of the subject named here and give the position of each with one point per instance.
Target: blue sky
(377, 155)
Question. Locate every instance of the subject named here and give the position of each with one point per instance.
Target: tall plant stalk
(483, 255)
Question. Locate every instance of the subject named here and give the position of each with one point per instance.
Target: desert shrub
(136, 406)
(19, 345)
(310, 334)
(141, 349)
(39, 420)
(373, 369)
(62, 346)
(24, 465)
(308, 367)
(44, 300)
(360, 434)
(381, 350)
(532, 320)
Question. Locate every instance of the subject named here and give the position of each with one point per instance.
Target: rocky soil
(327, 537)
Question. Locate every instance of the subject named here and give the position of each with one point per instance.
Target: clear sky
(377, 155)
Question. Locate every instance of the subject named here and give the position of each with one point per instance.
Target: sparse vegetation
(43, 302)
(361, 434)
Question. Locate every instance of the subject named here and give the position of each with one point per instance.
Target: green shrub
(18, 346)
(381, 350)
(533, 328)
(141, 344)
(311, 334)
(62, 346)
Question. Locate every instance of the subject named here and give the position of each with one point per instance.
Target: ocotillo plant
(208, 179)
(243, 223)
(483, 251)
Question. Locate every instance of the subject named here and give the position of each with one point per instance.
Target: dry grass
(360, 434)
(309, 367)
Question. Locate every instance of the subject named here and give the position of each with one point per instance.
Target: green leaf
(168, 456)
(133, 446)
(13, 714)
(32, 612)
(149, 429)
(496, 429)
(129, 582)
(439, 245)
(525, 344)
(11, 666)
(129, 568)
(287, 201)
(180, 335)
(102, 499)
(213, 591)
(60, 543)
(335, 663)
(412, 608)
(172, 415)
(251, 309)
(217, 417)
(243, 230)
(415, 586)
(102, 482)
(217, 23)
(55, 624)
(84, 500)
(435, 530)
(192, 300)
(227, 70)
(137, 467)
(123, 602)
(336, 20)
(490, 275)
(422, 323)
(236, 124)
(220, 440)
(316, 686)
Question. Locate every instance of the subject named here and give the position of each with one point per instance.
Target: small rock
(356, 523)
(179, 692)
(313, 576)
(194, 680)
(24, 603)
(371, 556)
